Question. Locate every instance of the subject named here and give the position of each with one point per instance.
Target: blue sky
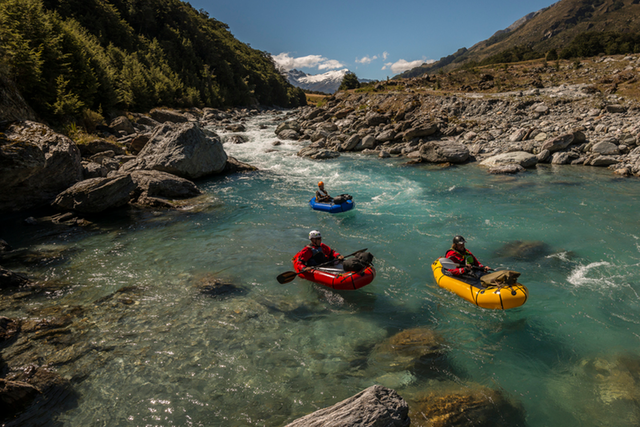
(374, 39)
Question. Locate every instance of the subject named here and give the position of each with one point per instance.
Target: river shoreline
(485, 128)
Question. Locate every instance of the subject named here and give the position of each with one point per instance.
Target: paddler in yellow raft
(460, 272)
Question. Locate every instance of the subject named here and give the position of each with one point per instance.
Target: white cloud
(403, 65)
(330, 64)
(287, 62)
(366, 59)
(385, 55)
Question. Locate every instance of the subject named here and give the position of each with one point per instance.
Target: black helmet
(459, 239)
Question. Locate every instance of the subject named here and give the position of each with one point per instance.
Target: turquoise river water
(271, 353)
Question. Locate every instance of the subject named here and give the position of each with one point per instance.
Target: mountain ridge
(328, 82)
(550, 29)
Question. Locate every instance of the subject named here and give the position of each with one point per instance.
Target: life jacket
(323, 193)
(317, 256)
(466, 256)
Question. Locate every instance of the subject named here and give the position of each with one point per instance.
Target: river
(166, 354)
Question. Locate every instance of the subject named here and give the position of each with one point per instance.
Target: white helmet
(314, 234)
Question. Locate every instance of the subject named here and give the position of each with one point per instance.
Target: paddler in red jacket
(314, 254)
(463, 257)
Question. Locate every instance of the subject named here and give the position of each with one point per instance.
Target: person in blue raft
(321, 195)
(324, 202)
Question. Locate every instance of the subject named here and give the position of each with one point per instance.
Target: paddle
(448, 265)
(288, 276)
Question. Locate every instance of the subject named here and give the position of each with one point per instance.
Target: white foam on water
(580, 275)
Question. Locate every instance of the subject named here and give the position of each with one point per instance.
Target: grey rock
(560, 158)
(543, 156)
(236, 139)
(164, 116)
(99, 145)
(318, 153)
(444, 152)
(161, 184)
(377, 406)
(605, 148)
(351, 143)
(183, 150)
(96, 194)
(387, 135)
(290, 125)
(366, 143)
(139, 141)
(37, 163)
(122, 124)
(518, 135)
(146, 121)
(236, 128)
(93, 170)
(522, 158)
(289, 134)
(234, 165)
(558, 143)
(420, 131)
(616, 108)
(604, 161)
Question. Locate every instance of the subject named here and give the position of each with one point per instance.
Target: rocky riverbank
(506, 132)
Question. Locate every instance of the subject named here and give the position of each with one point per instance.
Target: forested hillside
(74, 58)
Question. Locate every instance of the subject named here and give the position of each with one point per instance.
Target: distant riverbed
(165, 352)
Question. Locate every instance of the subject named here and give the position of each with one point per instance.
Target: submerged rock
(9, 328)
(406, 349)
(597, 388)
(477, 406)
(216, 288)
(375, 406)
(524, 249)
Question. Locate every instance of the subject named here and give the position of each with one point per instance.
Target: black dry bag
(360, 261)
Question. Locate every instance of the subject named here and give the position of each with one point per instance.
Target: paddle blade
(286, 277)
(447, 264)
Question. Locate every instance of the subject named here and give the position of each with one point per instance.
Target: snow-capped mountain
(328, 82)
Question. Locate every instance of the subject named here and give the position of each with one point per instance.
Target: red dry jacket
(302, 258)
(462, 259)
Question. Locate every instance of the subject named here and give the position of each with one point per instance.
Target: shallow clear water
(166, 354)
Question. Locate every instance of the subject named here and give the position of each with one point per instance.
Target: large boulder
(605, 148)
(36, 164)
(558, 143)
(444, 152)
(162, 184)
(183, 150)
(376, 406)
(426, 129)
(97, 194)
(522, 158)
